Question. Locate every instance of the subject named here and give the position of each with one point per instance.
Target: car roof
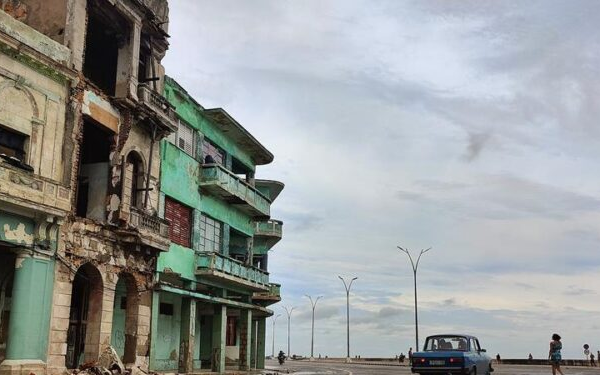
(453, 334)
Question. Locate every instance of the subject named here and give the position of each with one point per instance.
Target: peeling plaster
(19, 262)
(19, 235)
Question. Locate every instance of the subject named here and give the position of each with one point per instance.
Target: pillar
(219, 330)
(226, 239)
(245, 339)
(188, 331)
(154, 328)
(253, 345)
(29, 325)
(260, 343)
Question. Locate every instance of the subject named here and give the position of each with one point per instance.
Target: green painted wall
(180, 175)
(31, 303)
(224, 212)
(16, 229)
(168, 335)
(180, 260)
(192, 114)
(117, 339)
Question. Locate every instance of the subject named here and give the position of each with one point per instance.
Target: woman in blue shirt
(554, 355)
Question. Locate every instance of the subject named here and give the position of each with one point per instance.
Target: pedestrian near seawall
(554, 355)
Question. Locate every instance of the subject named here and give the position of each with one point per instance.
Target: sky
(470, 127)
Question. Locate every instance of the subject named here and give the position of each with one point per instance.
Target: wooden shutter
(180, 218)
(186, 138)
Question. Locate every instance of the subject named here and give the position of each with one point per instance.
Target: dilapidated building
(81, 118)
(213, 287)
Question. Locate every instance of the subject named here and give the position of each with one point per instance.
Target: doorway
(84, 317)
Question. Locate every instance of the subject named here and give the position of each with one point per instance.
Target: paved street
(335, 368)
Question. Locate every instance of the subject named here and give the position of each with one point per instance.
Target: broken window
(107, 33)
(133, 180)
(92, 181)
(180, 220)
(212, 153)
(12, 144)
(231, 335)
(211, 234)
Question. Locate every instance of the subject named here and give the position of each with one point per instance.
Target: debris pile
(109, 363)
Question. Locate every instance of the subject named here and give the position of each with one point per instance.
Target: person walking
(554, 354)
(592, 362)
(410, 356)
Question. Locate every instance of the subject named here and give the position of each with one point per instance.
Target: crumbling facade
(81, 123)
(35, 81)
(213, 288)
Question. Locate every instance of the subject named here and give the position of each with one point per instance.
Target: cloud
(467, 126)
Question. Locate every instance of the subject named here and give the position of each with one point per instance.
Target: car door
(477, 357)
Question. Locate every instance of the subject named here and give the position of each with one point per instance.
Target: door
(77, 321)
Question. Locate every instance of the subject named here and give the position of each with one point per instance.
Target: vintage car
(452, 354)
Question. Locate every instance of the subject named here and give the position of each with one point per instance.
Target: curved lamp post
(415, 267)
(312, 338)
(274, 319)
(347, 286)
(289, 315)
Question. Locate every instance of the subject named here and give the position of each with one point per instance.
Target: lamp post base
(311, 359)
(348, 360)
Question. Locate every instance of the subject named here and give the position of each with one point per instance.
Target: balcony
(222, 183)
(270, 297)
(162, 110)
(271, 228)
(146, 229)
(216, 267)
(26, 189)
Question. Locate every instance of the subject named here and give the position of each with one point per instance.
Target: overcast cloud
(467, 126)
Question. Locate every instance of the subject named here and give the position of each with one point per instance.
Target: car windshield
(446, 343)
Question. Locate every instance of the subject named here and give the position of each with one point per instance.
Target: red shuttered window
(180, 219)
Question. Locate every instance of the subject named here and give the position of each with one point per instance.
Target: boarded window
(231, 331)
(180, 219)
(211, 234)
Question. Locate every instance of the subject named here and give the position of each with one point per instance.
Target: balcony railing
(271, 228)
(142, 220)
(159, 104)
(230, 270)
(223, 183)
(273, 295)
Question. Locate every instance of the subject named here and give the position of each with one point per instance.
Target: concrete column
(226, 237)
(253, 345)
(30, 311)
(219, 330)
(127, 65)
(250, 251)
(188, 331)
(196, 236)
(260, 344)
(154, 329)
(245, 339)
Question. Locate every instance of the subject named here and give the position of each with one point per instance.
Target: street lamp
(289, 315)
(347, 286)
(415, 267)
(312, 339)
(274, 319)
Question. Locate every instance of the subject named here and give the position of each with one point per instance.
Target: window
(133, 180)
(184, 138)
(12, 144)
(180, 219)
(231, 335)
(208, 149)
(211, 234)
(166, 309)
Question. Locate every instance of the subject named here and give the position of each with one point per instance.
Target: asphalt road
(335, 368)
